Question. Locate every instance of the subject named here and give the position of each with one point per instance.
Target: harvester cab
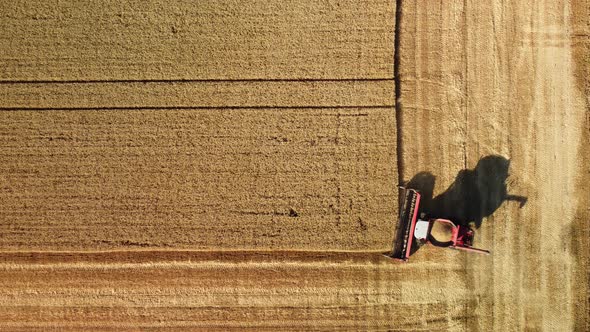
(412, 229)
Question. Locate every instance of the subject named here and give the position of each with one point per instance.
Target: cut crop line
(113, 108)
(324, 252)
(397, 80)
(241, 80)
(219, 264)
(176, 264)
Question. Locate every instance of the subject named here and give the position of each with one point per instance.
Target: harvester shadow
(474, 195)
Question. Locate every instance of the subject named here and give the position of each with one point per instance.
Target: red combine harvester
(411, 228)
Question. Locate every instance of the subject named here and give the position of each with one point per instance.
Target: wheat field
(222, 165)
